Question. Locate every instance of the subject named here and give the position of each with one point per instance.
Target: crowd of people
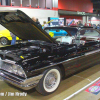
(79, 23)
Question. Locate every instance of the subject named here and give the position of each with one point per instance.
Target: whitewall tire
(50, 81)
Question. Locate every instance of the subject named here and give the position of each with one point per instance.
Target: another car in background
(56, 31)
(80, 34)
(89, 34)
(5, 37)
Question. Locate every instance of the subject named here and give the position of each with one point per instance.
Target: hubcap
(51, 80)
(4, 41)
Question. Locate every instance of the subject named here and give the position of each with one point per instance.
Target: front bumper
(24, 84)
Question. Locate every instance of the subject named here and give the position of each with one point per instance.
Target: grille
(10, 66)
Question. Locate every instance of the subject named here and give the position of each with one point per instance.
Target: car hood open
(23, 26)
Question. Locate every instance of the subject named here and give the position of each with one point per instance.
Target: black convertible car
(41, 62)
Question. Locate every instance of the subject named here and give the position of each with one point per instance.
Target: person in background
(13, 38)
(45, 24)
(67, 24)
(98, 27)
(77, 23)
(80, 23)
(94, 26)
(73, 23)
(36, 21)
(85, 24)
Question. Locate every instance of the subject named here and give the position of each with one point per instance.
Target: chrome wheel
(51, 80)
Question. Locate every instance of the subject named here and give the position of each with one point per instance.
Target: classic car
(5, 37)
(56, 31)
(83, 33)
(89, 34)
(42, 62)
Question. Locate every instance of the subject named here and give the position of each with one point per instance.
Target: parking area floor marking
(81, 89)
(83, 78)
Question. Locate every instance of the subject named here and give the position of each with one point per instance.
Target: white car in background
(68, 39)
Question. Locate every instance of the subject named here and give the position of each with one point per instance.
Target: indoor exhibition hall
(49, 49)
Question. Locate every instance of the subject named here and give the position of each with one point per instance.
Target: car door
(89, 59)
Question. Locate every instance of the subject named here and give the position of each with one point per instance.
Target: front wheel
(50, 81)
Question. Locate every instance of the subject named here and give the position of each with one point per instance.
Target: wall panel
(76, 5)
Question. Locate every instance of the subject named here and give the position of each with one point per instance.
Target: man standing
(80, 23)
(45, 24)
(37, 22)
(13, 38)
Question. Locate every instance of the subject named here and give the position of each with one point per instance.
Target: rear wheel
(50, 81)
(4, 41)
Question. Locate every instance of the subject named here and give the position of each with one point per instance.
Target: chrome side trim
(91, 52)
(30, 59)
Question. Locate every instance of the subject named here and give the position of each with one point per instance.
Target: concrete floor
(67, 87)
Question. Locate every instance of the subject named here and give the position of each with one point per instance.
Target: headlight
(21, 72)
(16, 69)
(12, 68)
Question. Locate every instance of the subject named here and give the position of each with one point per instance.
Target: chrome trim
(91, 52)
(7, 73)
(24, 84)
(30, 59)
(9, 61)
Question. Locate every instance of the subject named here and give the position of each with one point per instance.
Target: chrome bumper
(24, 84)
